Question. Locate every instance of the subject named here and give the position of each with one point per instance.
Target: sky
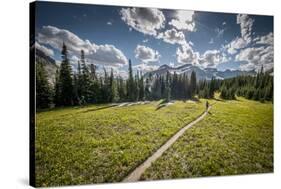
(151, 37)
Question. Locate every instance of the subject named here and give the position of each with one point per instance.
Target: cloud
(255, 57)
(224, 23)
(47, 51)
(211, 58)
(172, 36)
(265, 40)
(235, 45)
(146, 54)
(186, 55)
(145, 20)
(98, 54)
(184, 20)
(211, 41)
(109, 23)
(246, 25)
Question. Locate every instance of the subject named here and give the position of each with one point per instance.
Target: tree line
(86, 86)
(258, 88)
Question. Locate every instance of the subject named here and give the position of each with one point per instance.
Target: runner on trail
(207, 105)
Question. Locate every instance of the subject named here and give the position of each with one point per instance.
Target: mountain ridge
(206, 73)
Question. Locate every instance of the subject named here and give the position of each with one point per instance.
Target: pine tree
(106, 89)
(85, 79)
(121, 89)
(136, 87)
(193, 83)
(76, 99)
(93, 71)
(113, 95)
(130, 84)
(65, 79)
(147, 94)
(79, 83)
(212, 88)
(141, 88)
(168, 87)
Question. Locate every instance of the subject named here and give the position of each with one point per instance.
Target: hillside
(49, 64)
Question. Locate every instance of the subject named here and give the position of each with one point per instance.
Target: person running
(207, 105)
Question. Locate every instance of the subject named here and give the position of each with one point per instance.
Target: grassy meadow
(104, 143)
(101, 143)
(235, 138)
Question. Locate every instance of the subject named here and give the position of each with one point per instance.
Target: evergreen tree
(85, 79)
(76, 99)
(78, 83)
(93, 69)
(57, 96)
(141, 88)
(121, 89)
(65, 79)
(106, 89)
(168, 87)
(212, 88)
(113, 95)
(193, 83)
(147, 94)
(131, 84)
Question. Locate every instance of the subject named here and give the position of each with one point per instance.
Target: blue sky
(111, 35)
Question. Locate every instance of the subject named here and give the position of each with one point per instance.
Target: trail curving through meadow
(137, 172)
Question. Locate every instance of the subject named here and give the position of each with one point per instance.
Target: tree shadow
(195, 99)
(160, 106)
(97, 109)
(218, 99)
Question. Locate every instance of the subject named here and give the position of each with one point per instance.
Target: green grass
(95, 144)
(235, 138)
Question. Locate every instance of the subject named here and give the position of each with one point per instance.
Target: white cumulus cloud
(186, 55)
(145, 20)
(211, 58)
(172, 36)
(98, 54)
(235, 45)
(265, 40)
(255, 57)
(184, 20)
(246, 25)
(146, 54)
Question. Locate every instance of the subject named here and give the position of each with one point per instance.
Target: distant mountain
(206, 73)
(49, 64)
(270, 71)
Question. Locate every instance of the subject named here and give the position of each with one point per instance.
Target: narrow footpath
(136, 174)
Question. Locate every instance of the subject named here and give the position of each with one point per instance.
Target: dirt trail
(136, 174)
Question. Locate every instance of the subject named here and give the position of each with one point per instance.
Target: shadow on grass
(96, 109)
(218, 99)
(160, 106)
